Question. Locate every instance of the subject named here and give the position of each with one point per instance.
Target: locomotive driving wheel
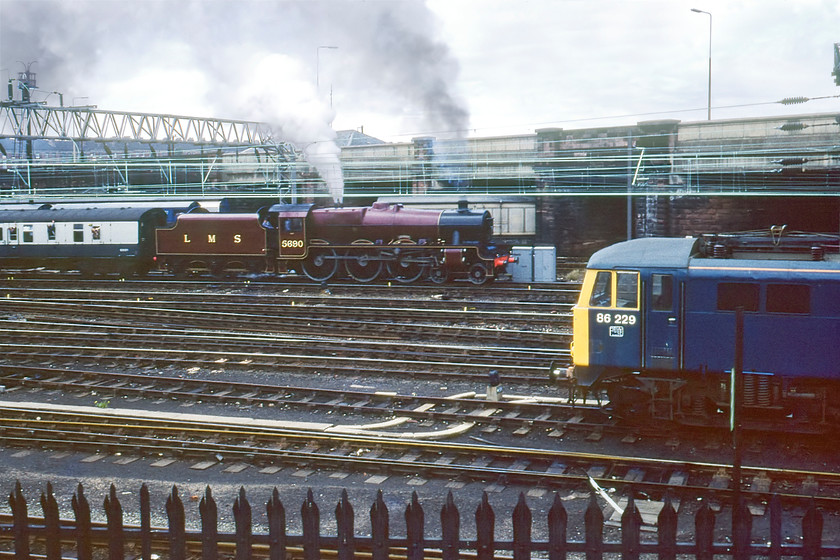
(409, 264)
(439, 275)
(478, 274)
(363, 265)
(407, 268)
(320, 265)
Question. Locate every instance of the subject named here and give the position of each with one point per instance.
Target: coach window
(788, 298)
(27, 234)
(732, 295)
(78, 233)
(627, 290)
(602, 291)
(662, 292)
(12, 233)
(1, 233)
(51, 232)
(95, 233)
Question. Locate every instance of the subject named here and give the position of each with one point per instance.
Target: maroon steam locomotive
(380, 241)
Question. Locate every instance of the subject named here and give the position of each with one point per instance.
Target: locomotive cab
(628, 316)
(607, 325)
(288, 227)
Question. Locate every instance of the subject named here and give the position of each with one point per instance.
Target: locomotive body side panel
(213, 234)
(791, 317)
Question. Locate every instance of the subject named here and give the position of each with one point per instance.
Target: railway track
(148, 346)
(273, 446)
(522, 413)
(458, 321)
(557, 292)
(42, 342)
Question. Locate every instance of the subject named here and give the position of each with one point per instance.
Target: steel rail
(417, 458)
(548, 411)
(293, 319)
(274, 361)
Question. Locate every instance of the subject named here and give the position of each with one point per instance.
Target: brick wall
(580, 225)
(693, 215)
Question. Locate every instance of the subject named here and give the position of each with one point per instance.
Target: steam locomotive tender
(655, 327)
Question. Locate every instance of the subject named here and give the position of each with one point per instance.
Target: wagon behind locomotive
(84, 239)
(655, 326)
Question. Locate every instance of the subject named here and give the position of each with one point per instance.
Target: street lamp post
(318, 64)
(710, 59)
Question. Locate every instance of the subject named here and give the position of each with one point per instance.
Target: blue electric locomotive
(655, 326)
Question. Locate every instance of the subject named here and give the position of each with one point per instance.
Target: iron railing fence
(51, 537)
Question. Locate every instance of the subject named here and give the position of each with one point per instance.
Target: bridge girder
(34, 121)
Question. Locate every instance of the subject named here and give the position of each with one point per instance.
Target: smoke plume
(243, 59)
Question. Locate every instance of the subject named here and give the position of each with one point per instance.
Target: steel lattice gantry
(35, 121)
(254, 157)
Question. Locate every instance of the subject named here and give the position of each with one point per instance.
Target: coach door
(662, 322)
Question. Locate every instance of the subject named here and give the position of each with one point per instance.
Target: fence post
(177, 525)
(450, 524)
(485, 523)
(276, 526)
(631, 527)
(52, 525)
(593, 520)
(20, 521)
(812, 526)
(311, 518)
(81, 511)
(704, 528)
(345, 525)
(667, 523)
(414, 521)
(379, 528)
(242, 520)
(741, 529)
(558, 520)
(114, 515)
(209, 513)
(775, 527)
(521, 529)
(145, 523)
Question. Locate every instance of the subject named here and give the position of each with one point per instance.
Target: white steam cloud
(244, 59)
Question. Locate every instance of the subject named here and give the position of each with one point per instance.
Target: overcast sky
(405, 68)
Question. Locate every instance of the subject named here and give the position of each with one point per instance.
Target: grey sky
(407, 68)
